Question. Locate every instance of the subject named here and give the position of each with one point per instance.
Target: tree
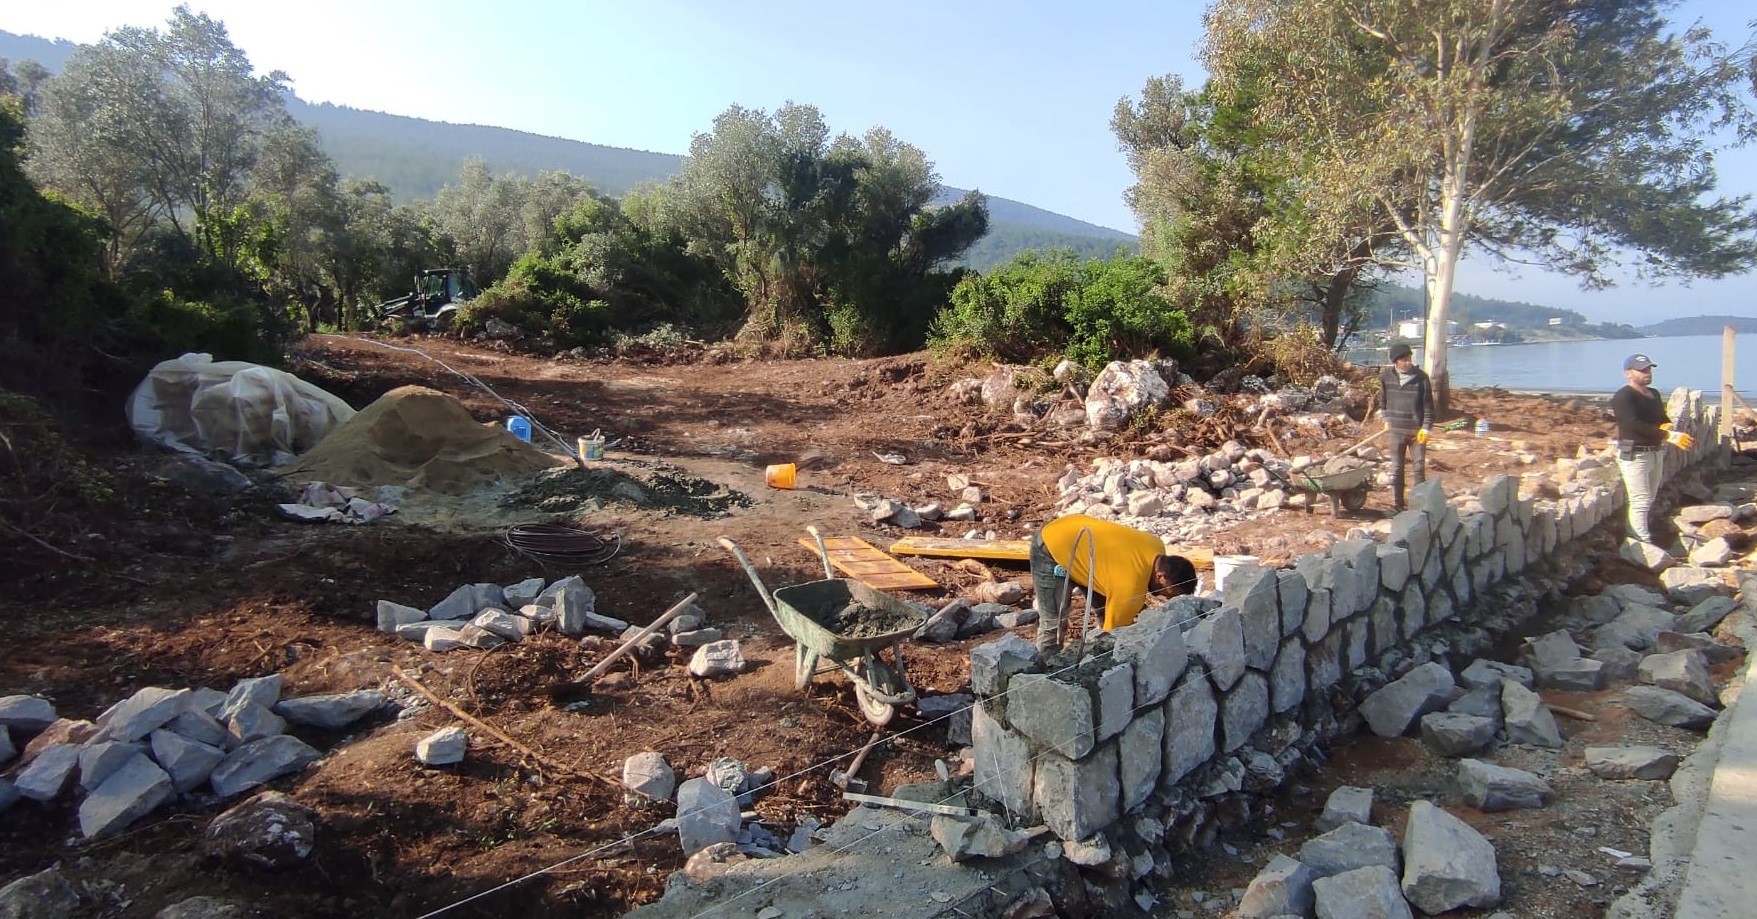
(1570, 132)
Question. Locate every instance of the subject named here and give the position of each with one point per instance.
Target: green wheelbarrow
(1346, 489)
(848, 624)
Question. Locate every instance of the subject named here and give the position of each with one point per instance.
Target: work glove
(1680, 440)
(1421, 436)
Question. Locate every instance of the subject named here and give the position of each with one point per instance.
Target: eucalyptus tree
(1578, 134)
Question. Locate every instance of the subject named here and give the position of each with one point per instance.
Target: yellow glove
(1680, 440)
(1666, 426)
(1421, 436)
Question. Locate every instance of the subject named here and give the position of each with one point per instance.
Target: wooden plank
(1012, 550)
(901, 804)
(1015, 550)
(863, 562)
(1727, 392)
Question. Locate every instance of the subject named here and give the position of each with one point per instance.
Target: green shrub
(1040, 306)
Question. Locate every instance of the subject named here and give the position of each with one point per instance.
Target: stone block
(1191, 713)
(1140, 754)
(1295, 597)
(1631, 762)
(1317, 618)
(1488, 787)
(1053, 714)
(1351, 845)
(1003, 770)
(1386, 635)
(1283, 888)
(1077, 798)
(1116, 700)
(1154, 645)
(1347, 804)
(1393, 568)
(1218, 643)
(1244, 710)
(993, 664)
(1411, 530)
(1364, 893)
(1412, 612)
(1398, 705)
(1446, 864)
(1287, 680)
(131, 792)
(1324, 665)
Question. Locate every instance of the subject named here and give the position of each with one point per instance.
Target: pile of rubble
(161, 744)
(1123, 389)
(1188, 500)
(483, 616)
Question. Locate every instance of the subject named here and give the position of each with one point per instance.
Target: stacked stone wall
(1169, 727)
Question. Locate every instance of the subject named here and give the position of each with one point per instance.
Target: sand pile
(419, 438)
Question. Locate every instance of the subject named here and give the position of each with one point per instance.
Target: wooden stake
(1573, 713)
(1728, 395)
(498, 734)
(639, 637)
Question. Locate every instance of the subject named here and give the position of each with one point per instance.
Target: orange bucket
(780, 476)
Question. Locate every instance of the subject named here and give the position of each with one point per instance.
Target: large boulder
(331, 712)
(271, 830)
(1488, 787)
(1122, 389)
(1446, 864)
(130, 793)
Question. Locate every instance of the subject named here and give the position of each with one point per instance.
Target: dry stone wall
(1168, 727)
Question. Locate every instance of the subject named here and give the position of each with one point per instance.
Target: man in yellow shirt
(1126, 566)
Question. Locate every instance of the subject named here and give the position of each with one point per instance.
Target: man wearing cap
(1643, 430)
(1409, 413)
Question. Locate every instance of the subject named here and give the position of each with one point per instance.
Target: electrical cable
(560, 545)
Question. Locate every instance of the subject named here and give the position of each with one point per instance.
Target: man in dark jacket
(1409, 413)
(1643, 430)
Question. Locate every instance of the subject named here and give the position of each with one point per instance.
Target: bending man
(1126, 566)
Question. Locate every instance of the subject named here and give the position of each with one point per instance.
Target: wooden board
(1013, 550)
(863, 562)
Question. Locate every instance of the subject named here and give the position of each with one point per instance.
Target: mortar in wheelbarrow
(846, 623)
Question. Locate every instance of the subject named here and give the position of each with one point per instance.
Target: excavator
(434, 303)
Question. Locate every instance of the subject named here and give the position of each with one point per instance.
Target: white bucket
(1227, 564)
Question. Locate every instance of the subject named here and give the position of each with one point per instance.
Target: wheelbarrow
(1346, 489)
(848, 624)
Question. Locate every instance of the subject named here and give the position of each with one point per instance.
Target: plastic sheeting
(243, 413)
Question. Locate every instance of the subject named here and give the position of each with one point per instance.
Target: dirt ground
(204, 589)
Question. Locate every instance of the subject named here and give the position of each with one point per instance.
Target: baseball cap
(1638, 362)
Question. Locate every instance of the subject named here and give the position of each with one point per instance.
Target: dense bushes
(1034, 307)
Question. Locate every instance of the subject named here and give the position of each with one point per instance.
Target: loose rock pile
(710, 821)
(483, 616)
(160, 744)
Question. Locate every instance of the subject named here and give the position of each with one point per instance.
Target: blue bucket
(519, 426)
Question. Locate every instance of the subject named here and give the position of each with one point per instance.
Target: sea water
(1691, 361)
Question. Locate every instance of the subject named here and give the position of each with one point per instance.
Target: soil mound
(419, 438)
(572, 490)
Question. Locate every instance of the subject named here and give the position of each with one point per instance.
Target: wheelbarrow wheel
(804, 666)
(880, 677)
(1355, 498)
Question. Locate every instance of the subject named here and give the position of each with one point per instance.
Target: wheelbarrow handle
(761, 589)
(822, 552)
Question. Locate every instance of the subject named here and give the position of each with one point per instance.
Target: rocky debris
(331, 712)
(1668, 707)
(26, 714)
(483, 616)
(1683, 672)
(1347, 804)
(444, 747)
(720, 658)
(44, 895)
(251, 722)
(1645, 555)
(1283, 888)
(648, 775)
(1488, 787)
(954, 708)
(1487, 674)
(981, 836)
(1636, 762)
(1452, 734)
(97, 760)
(261, 761)
(131, 792)
(50, 774)
(706, 814)
(202, 908)
(1364, 893)
(271, 830)
(1704, 616)
(189, 762)
(142, 713)
(1526, 719)
(1446, 864)
(1349, 847)
(1397, 706)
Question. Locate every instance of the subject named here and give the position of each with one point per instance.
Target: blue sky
(1013, 98)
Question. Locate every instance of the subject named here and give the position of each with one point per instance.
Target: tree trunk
(1442, 270)
(1335, 297)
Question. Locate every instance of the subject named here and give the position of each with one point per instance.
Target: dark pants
(1052, 595)
(1403, 446)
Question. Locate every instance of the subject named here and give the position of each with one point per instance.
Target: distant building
(1491, 325)
(1411, 328)
(1555, 320)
